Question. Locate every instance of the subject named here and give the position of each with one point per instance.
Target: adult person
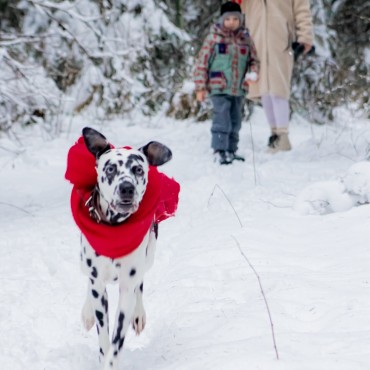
(274, 26)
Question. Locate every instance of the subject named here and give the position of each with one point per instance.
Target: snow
(204, 305)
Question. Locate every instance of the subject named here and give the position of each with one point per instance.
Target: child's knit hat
(231, 8)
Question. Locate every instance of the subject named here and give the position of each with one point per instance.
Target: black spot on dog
(97, 254)
(81, 256)
(95, 293)
(110, 170)
(120, 162)
(92, 281)
(88, 261)
(116, 278)
(121, 343)
(141, 287)
(117, 337)
(118, 265)
(132, 272)
(101, 351)
(106, 164)
(94, 272)
(155, 229)
(137, 321)
(102, 179)
(100, 316)
(104, 302)
(115, 353)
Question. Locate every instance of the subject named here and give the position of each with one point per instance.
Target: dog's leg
(139, 316)
(127, 298)
(151, 246)
(88, 315)
(96, 309)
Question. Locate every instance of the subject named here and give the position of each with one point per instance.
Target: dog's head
(122, 173)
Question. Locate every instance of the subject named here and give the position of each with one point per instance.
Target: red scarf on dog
(159, 202)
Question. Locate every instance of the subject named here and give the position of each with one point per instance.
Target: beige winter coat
(274, 25)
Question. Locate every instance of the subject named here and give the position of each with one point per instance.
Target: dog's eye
(138, 170)
(110, 169)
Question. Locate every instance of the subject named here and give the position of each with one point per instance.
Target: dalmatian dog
(122, 176)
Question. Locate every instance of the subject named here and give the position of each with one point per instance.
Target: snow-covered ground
(204, 305)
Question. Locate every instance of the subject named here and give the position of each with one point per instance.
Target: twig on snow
(19, 208)
(253, 269)
(17, 152)
(274, 205)
(263, 295)
(253, 153)
(228, 200)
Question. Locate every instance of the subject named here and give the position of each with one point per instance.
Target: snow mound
(336, 195)
(357, 181)
(322, 198)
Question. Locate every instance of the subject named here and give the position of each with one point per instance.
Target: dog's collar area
(94, 214)
(95, 211)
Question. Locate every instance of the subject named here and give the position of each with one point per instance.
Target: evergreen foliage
(66, 56)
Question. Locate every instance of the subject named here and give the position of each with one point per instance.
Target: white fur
(122, 176)
(119, 271)
(127, 271)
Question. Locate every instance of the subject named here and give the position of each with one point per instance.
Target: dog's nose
(126, 190)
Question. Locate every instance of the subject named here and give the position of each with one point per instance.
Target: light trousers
(277, 111)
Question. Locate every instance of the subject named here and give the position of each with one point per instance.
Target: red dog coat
(159, 202)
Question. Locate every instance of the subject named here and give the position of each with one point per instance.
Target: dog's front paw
(139, 321)
(88, 317)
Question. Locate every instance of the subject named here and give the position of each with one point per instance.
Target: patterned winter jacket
(223, 61)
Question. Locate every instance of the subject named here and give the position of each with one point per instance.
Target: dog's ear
(95, 142)
(156, 153)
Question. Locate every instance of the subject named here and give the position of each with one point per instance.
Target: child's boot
(233, 156)
(221, 157)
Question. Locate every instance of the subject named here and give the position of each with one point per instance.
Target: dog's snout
(126, 190)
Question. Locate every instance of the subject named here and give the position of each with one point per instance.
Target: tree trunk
(179, 14)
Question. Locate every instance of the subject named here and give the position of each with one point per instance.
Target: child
(226, 64)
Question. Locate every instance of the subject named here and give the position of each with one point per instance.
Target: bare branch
(20, 209)
(263, 295)
(228, 200)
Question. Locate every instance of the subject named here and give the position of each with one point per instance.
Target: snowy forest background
(294, 222)
(108, 57)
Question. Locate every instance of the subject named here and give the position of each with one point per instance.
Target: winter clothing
(227, 117)
(230, 8)
(224, 59)
(279, 141)
(274, 25)
(159, 202)
(220, 156)
(276, 110)
(235, 157)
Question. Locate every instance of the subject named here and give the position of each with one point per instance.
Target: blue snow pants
(226, 123)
